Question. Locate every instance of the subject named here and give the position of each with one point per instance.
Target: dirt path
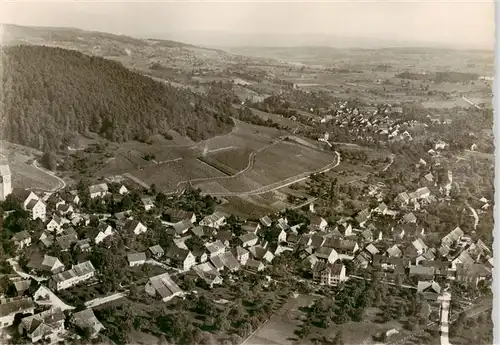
(62, 183)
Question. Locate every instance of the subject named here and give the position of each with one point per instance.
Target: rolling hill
(52, 93)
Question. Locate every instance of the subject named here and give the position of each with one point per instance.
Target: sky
(438, 22)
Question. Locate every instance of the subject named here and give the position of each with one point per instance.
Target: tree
(49, 161)
(339, 338)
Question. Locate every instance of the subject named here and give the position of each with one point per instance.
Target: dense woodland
(52, 93)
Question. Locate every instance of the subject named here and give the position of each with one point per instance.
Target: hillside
(52, 93)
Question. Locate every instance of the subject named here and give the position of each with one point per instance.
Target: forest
(51, 94)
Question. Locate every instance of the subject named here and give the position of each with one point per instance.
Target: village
(58, 242)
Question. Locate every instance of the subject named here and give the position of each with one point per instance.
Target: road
(136, 180)
(284, 183)
(62, 183)
(390, 163)
(101, 300)
(386, 282)
(445, 299)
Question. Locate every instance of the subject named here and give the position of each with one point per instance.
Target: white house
(47, 325)
(105, 230)
(215, 248)
(214, 220)
(136, 227)
(79, 273)
(328, 254)
(98, 190)
(136, 259)
(249, 239)
(329, 274)
(37, 209)
(22, 239)
(10, 307)
(55, 224)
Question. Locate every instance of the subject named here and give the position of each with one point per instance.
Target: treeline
(52, 93)
(440, 77)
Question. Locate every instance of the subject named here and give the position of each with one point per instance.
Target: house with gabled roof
(422, 272)
(420, 246)
(215, 220)
(429, 289)
(362, 217)
(163, 287)
(381, 208)
(156, 251)
(10, 307)
(76, 275)
(64, 209)
(241, 254)
(22, 239)
(182, 227)
(409, 218)
(328, 254)
(252, 227)
(208, 273)
(135, 227)
(98, 190)
(136, 259)
(217, 262)
(248, 239)
(123, 190)
(472, 273)
(261, 253)
(86, 320)
(394, 251)
(225, 236)
(45, 263)
(215, 248)
(181, 258)
(104, 230)
(325, 273)
(266, 221)
(402, 199)
(346, 249)
(66, 240)
(317, 223)
(229, 261)
(367, 236)
(462, 258)
(254, 265)
(317, 240)
(47, 325)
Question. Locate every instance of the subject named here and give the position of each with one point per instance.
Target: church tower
(5, 181)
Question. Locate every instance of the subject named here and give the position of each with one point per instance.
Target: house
(381, 208)
(136, 259)
(261, 253)
(162, 286)
(252, 227)
(21, 285)
(224, 236)
(255, 265)
(248, 239)
(365, 256)
(47, 325)
(157, 251)
(104, 230)
(327, 254)
(84, 245)
(421, 193)
(200, 253)
(46, 263)
(472, 273)
(391, 266)
(281, 236)
(363, 216)
(215, 220)
(135, 227)
(463, 258)
(266, 221)
(402, 199)
(22, 239)
(440, 145)
(419, 246)
(45, 298)
(217, 262)
(98, 190)
(241, 254)
(78, 274)
(72, 197)
(453, 237)
(182, 258)
(422, 272)
(11, 307)
(428, 255)
(182, 227)
(409, 218)
(37, 209)
(310, 261)
(123, 190)
(229, 261)
(54, 224)
(292, 240)
(147, 203)
(429, 289)
(64, 209)
(441, 267)
(215, 248)
(198, 231)
(318, 223)
(86, 320)
(394, 252)
(317, 240)
(176, 215)
(208, 273)
(329, 274)
(346, 249)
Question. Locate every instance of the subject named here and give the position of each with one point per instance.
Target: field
(229, 161)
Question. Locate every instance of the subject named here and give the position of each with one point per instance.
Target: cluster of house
(44, 318)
